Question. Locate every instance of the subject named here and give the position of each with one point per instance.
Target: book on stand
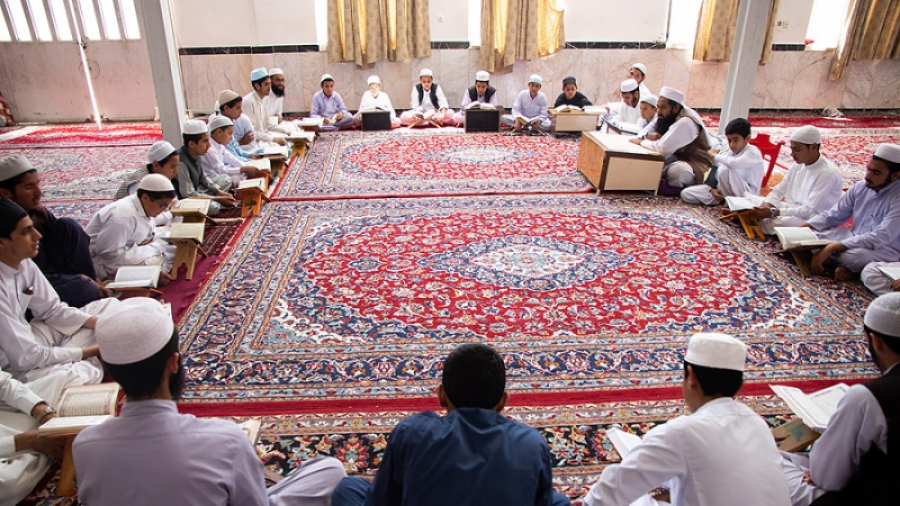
(82, 407)
(814, 409)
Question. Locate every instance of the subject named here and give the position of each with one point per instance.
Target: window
(89, 19)
(19, 20)
(60, 17)
(110, 20)
(826, 23)
(129, 16)
(39, 20)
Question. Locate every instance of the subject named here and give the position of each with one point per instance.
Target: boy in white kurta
(374, 98)
(427, 104)
(219, 162)
(256, 107)
(481, 92)
(740, 171)
(530, 110)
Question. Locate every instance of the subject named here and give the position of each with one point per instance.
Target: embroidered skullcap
(194, 127)
(641, 67)
(628, 86)
(535, 78)
(259, 73)
(10, 216)
(889, 152)
(326, 77)
(672, 94)
(650, 99)
(883, 315)
(569, 80)
(13, 165)
(807, 134)
(374, 80)
(219, 121)
(482, 76)
(156, 183)
(132, 330)
(717, 351)
(226, 96)
(159, 151)
(276, 72)
(426, 73)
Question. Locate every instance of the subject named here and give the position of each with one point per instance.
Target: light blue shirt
(326, 107)
(530, 108)
(876, 217)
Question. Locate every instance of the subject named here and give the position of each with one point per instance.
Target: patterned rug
(79, 210)
(82, 173)
(88, 135)
(770, 119)
(431, 162)
(361, 299)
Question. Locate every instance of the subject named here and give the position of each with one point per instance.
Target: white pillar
(165, 66)
(749, 36)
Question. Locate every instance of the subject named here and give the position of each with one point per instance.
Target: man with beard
(275, 105)
(151, 454)
(680, 135)
(256, 107)
(857, 458)
(874, 206)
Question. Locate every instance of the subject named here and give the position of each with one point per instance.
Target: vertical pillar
(749, 36)
(164, 64)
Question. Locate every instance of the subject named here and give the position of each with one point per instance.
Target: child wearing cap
(570, 94)
(427, 104)
(374, 98)
(740, 169)
(219, 164)
(648, 114)
(626, 113)
(481, 93)
(529, 111)
(256, 107)
(328, 105)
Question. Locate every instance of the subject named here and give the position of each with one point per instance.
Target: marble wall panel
(455, 75)
(394, 81)
(779, 82)
(885, 92)
(808, 72)
(702, 90)
(655, 60)
(677, 70)
(295, 100)
(312, 66)
(759, 87)
(858, 76)
(203, 77)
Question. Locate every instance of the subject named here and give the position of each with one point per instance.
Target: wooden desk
(573, 121)
(610, 162)
(482, 120)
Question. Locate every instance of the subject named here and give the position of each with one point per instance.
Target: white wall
(794, 14)
(229, 23)
(449, 20)
(615, 20)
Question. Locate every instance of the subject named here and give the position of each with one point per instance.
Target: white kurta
(118, 232)
(723, 453)
(243, 126)
(875, 279)
(21, 471)
(257, 110)
(218, 162)
(52, 341)
(623, 113)
(806, 191)
(738, 175)
(382, 101)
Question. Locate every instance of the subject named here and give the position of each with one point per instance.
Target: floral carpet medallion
(363, 299)
(433, 163)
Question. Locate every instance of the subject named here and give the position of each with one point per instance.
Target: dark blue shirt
(470, 456)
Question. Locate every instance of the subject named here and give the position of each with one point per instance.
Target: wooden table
(482, 120)
(611, 162)
(573, 121)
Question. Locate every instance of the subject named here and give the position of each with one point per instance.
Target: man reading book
(881, 277)
(858, 456)
(153, 455)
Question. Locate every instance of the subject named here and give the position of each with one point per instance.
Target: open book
(254, 184)
(622, 441)
(799, 237)
(192, 231)
(567, 108)
(82, 407)
(816, 408)
(486, 106)
(263, 164)
(743, 203)
(891, 271)
(535, 119)
(136, 276)
(302, 136)
(310, 122)
(597, 110)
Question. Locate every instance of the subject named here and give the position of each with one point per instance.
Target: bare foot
(842, 273)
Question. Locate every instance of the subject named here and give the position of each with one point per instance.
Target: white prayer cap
(134, 329)
(276, 72)
(807, 134)
(889, 152)
(259, 73)
(672, 94)
(883, 315)
(226, 96)
(156, 183)
(194, 127)
(219, 121)
(628, 86)
(641, 67)
(482, 76)
(159, 151)
(326, 77)
(650, 99)
(374, 80)
(535, 78)
(13, 165)
(426, 73)
(717, 351)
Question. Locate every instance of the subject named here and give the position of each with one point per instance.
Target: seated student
(192, 181)
(427, 104)
(219, 164)
(243, 142)
(812, 185)
(151, 454)
(329, 105)
(571, 95)
(627, 111)
(679, 134)
(874, 205)
(374, 98)
(481, 92)
(638, 72)
(530, 108)
(722, 453)
(256, 107)
(877, 281)
(125, 233)
(63, 256)
(162, 159)
(857, 458)
(25, 457)
(58, 337)
(277, 123)
(648, 114)
(740, 172)
(473, 455)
